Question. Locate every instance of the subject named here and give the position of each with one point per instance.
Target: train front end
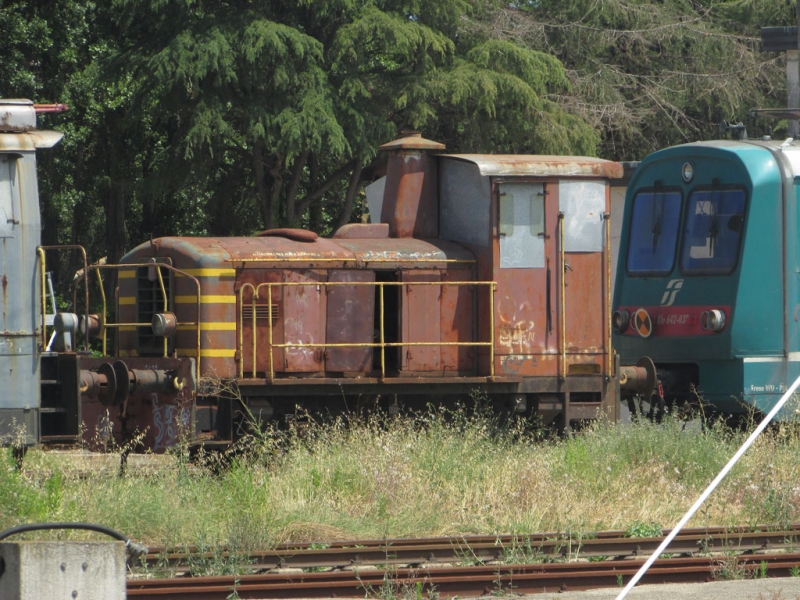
(707, 275)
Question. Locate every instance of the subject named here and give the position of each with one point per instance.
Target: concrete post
(55, 570)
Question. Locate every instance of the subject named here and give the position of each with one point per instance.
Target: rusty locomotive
(484, 272)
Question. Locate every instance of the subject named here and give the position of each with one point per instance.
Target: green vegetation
(439, 474)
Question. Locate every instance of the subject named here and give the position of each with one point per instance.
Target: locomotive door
(583, 205)
(525, 272)
(420, 321)
(350, 310)
(303, 321)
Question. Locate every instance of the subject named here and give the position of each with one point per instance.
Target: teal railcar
(707, 281)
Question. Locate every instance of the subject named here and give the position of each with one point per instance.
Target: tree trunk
(352, 190)
(293, 216)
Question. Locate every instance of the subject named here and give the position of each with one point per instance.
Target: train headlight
(713, 320)
(687, 172)
(620, 320)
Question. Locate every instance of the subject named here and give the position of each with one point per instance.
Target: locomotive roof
(232, 250)
(541, 165)
(789, 149)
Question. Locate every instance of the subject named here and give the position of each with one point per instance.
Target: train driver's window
(521, 225)
(654, 232)
(714, 225)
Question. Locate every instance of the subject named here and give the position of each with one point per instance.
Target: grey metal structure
(20, 279)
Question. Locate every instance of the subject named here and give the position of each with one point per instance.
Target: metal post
(166, 307)
(563, 308)
(44, 302)
(607, 323)
(383, 341)
(492, 289)
(103, 315)
(269, 302)
(240, 345)
(253, 326)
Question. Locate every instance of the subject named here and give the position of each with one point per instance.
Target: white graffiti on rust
(168, 420)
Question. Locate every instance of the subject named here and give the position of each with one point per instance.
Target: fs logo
(673, 287)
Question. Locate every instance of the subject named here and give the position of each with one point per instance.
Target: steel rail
(477, 549)
(461, 581)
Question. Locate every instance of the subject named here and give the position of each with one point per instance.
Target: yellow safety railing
(105, 324)
(43, 275)
(382, 344)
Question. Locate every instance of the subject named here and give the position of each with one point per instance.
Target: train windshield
(714, 224)
(654, 232)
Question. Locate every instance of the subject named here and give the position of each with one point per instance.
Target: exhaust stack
(410, 199)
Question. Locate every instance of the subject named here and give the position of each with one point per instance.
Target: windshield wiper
(713, 226)
(658, 220)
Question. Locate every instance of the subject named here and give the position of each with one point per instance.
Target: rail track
(461, 581)
(476, 565)
(543, 547)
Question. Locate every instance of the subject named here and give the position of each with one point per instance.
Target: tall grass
(446, 472)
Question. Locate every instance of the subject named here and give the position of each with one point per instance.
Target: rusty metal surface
(585, 301)
(457, 322)
(420, 319)
(481, 548)
(548, 319)
(350, 318)
(159, 418)
(415, 385)
(17, 115)
(362, 230)
(297, 235)
(516, 165)
(410, 198)
(193, 252)
(456, 581)
(303, 321)
(50, 108)
(248, 280)
(405, 252)
(412, 140)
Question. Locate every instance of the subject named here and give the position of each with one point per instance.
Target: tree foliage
(652, 74)
(276, 106)
(229, 116)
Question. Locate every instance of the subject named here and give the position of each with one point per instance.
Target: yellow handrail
(562, 362)
(382, 344)
(41, 252)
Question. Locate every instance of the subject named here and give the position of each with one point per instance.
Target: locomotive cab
(707, 277)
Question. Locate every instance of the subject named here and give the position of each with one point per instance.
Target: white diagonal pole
(709, 489)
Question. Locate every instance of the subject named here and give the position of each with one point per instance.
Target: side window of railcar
(713, 232)
(654, 232)
(521, 225)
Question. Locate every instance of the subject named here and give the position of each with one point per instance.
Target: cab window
(713, 232)
(654, 232)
